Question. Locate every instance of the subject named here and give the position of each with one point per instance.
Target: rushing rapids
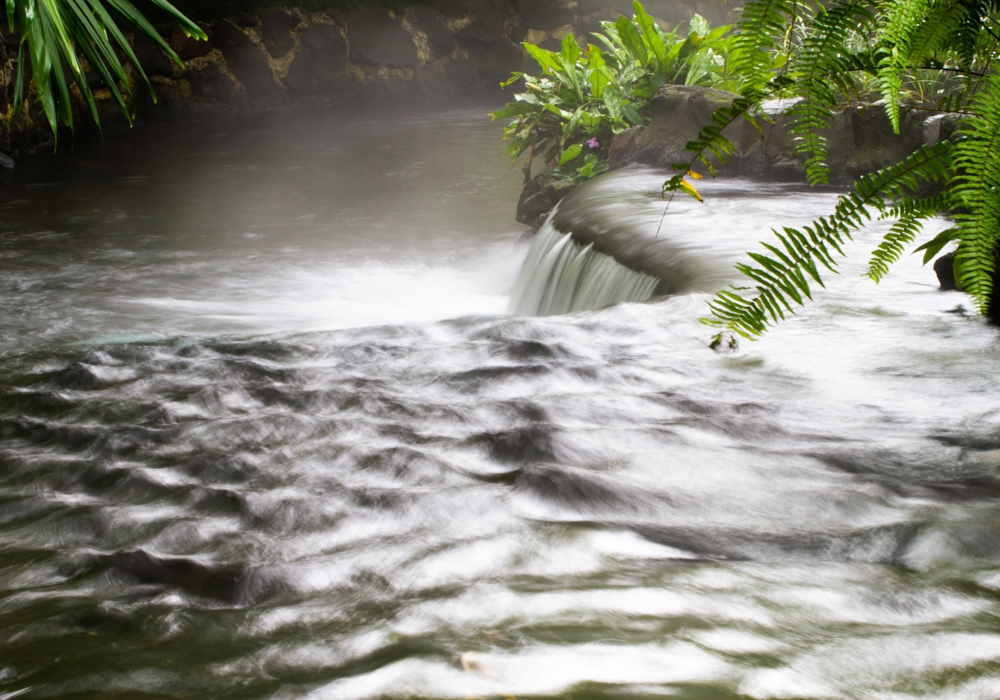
(261, 445)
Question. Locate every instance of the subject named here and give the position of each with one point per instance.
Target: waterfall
(560, 275)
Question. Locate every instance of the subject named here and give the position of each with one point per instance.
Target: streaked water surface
(266, 432)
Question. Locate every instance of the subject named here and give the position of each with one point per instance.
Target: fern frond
(781, 278)
(915, 31)
(822, 59)
(909, 214)
(977, 192)
(760, 31)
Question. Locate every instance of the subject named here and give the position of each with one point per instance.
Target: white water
(561, 276)
(590, 505)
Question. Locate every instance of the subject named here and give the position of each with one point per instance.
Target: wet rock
(678, 114)
(623, 147)
(606, 7)
(321, 61)
(276, 30)
(487, 25)
(187, 47)
(499, 58)
(944, 268)
(938, 128)
(244, 59)
(6, 161)
(376, 39)
(439, 39)
(451, 8)
(539, 196)
(211, 83)
(151, 57)
(543, 14)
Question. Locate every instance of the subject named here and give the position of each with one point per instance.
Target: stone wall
(289, 58)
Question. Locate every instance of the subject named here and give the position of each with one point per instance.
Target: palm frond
(58, 34)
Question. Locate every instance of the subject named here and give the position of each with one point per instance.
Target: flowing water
(266, 431)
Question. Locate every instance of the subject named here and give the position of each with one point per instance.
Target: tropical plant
(909, 52)
(64, 39)
(568, 114)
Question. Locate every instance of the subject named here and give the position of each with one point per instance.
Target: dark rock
(245, 60)
(788, 170)
(6, 161)
(389, 91)
(276, 30)
(451, 8)
(211, 83)
(539, 196)
(623, 149)
(488, 24)
(151, 57)
(679, 113)
(500, 58)
(187, 47)
(439, 39)
(543, 14)
(938, 128)
(605, 7)
(378, 40)
(321, 60)
(244, 20)
(944, 268)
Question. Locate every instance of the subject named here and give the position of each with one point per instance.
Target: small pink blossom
(593, 143)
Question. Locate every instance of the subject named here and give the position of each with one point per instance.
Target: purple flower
(593, 143)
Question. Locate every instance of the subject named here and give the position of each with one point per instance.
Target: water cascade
(560, 276)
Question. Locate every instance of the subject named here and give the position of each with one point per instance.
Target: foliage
(568, 114)
(65, 38)
(908, 53)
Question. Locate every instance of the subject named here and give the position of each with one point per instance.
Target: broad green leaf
(630, 39)
(650, 32)
(545, 58)
(570, 49)
(570, 153)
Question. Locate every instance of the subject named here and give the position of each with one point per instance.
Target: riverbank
(289, 58)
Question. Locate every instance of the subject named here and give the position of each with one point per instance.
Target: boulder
(276, 29)
(539, 196)
(487, 24)
(6, 161)
(678, 114)
(376, 39)
(543, 14)
(439, 39)
(944, 268)
(321, 62)
(245, 60)
(211, 83)
(451, 8)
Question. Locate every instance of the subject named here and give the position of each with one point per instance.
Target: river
(267, 431)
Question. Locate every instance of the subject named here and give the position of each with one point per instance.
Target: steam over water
(266, 432)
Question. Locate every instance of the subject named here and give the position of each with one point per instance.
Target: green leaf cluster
(64, 39)
(569, 113)
(907, 54)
